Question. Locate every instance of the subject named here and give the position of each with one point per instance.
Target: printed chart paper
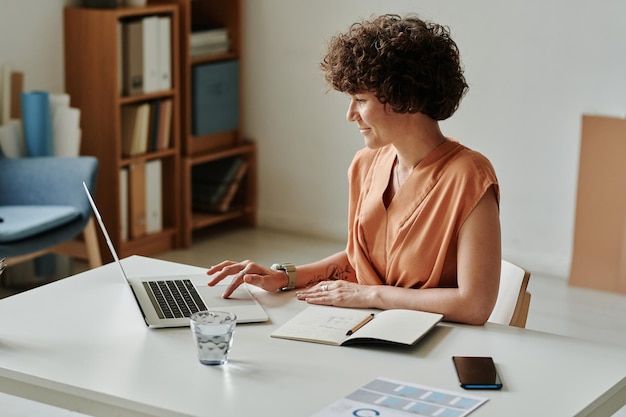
(385, 397)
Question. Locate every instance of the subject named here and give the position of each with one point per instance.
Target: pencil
(361, 324)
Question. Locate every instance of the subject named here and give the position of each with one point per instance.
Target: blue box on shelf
(215, 97)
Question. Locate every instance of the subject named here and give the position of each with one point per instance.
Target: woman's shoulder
(365, 160)
(365, 157)
(467, 159)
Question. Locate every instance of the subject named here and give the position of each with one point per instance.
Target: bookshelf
(95, 75)
(202, 143)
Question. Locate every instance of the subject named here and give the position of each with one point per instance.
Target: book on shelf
(215, 184)
(218, 198)
(208, 50)
(151, 76)
(153, 125)
(154, 196)
(137, 200)
(164, 53)
(146, 55)
(135, 128)
(132, 57)
(165, 123)
(208, 42)
(208, 36)
(347, 326)
(141, 199)
(124, 203)
(121, 57)
(227, 199)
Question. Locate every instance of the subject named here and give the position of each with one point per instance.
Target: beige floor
(555, 307)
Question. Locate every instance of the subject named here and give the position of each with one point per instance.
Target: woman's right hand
(248, 272)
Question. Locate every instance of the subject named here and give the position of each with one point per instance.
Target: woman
(424, 230)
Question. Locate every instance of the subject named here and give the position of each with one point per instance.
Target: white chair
(513, 299)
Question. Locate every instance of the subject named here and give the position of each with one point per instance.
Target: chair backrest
(513, 299)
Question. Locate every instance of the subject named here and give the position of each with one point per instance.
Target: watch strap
(290, 270)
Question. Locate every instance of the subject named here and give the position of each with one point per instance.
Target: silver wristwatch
(290, 270)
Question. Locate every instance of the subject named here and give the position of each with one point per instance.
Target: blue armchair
(50, 187)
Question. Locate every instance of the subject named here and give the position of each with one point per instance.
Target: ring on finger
(325, 287)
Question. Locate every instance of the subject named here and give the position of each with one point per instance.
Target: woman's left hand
(338, 293)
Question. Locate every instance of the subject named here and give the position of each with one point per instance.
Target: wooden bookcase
(93, 79)
(200, 149)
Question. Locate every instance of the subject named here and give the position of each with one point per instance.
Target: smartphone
(477, 372)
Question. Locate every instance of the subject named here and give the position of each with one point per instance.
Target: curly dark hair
(411, 64)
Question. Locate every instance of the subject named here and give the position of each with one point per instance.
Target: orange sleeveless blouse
(413, 242)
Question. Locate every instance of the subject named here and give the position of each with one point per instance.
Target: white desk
(80, 343)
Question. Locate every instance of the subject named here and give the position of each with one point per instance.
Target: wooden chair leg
(520, 317)
(91, 243)
(85, 249)
(23, 258)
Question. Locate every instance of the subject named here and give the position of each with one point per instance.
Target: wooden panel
(599, 256)
(91, 77)
(213, 142)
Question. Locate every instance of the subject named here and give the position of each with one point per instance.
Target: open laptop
(169, 301)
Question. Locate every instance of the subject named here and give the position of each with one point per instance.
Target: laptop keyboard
(175, 298)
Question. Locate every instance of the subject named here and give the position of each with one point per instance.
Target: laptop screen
(104, 231)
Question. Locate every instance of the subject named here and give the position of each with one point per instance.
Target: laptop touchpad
(212, 296)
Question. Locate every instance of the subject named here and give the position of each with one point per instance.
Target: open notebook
(348, 326)
(169, 301)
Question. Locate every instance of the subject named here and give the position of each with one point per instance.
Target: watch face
(286, 266)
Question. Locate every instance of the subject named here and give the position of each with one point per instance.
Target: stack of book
(215, 184)
(209, 42)
(146, 127)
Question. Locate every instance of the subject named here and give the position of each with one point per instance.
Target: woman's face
(377, 123)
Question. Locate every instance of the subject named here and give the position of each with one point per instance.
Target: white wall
(31, 40)
(534, 67)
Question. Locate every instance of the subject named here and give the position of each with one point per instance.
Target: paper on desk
(389, 398)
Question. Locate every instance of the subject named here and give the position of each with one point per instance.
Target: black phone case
(477, 372)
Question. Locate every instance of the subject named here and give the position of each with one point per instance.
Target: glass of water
(213, 335)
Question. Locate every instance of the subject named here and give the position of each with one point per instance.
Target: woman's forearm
(334, 267)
